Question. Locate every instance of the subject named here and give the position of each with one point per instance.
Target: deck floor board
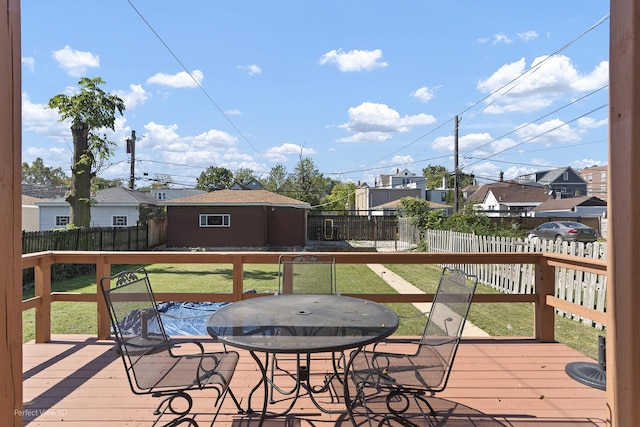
(77, 381)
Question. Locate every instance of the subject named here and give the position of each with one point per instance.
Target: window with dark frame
(119, 221)
(62, 220)
(215, 220)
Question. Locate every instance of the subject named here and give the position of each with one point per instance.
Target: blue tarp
(193, 317)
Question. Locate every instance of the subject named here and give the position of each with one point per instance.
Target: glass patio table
(300, 324)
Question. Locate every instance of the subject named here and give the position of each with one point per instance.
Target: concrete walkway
(404, 287)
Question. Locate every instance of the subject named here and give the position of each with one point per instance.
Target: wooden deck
(78, 381)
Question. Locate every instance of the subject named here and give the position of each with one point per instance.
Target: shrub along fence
(582, 288)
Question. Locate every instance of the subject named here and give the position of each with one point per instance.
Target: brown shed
(236, 218)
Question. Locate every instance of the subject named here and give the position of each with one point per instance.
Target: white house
(111, 207)
(512, 200)
(30, 213)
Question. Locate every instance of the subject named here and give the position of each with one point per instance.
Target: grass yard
(496, 319)
(80, 318)
(501, 320)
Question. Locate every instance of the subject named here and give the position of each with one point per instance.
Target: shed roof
(238, 197)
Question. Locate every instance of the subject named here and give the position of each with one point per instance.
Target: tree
(98, 183)
(308, 183)
(243, 175)
(434, 175)
(278, 179)
(341, 198)
(214, 178)
(39, 174)
(89, 110)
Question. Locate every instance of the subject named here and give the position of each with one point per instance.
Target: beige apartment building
(596, 178)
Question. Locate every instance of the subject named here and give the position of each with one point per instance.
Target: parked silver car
(571, 231)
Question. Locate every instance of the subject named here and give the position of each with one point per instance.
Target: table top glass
(302, 323)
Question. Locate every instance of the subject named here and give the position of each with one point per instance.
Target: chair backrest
(307, 274)
(135, 320)
(445, 323)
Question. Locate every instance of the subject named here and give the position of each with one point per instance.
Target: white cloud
(282, 152)
(234, 112)
(478, 145)
(178, 80)
(501, 38)
(354, 60)
(591, 123)
(527, 35)
(586, 163)
(549, 132)
(548, 79)
(251, 69)
(134, 97)
(76, 62)
(424, 94)
(43, 120)
(376, 122)
(29, 63)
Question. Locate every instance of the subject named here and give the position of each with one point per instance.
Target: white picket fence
(586, 289)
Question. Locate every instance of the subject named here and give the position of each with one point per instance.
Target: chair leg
(166, 406)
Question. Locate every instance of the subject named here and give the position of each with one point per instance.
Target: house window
(590, 190)
(589, 177)
(215, 220)
(119, 220)
(62, 220)
(565, 176)
(161, 196)
(603, 189)
(603, 176)
(443, 197)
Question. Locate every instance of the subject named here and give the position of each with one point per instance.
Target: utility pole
(131, 149)
(455, 166)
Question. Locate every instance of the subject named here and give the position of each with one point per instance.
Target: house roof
(30, 200)
(520, 194)
(238, 197)
(481, 193)
(554, 174)
(111, 196)
(569, 203)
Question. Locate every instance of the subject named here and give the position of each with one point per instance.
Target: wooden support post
(103, 269)
(42, 275)
(544, 314)
(10, 211)
(623, 252)
(238, 277)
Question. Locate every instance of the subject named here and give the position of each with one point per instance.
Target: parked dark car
(571, 231)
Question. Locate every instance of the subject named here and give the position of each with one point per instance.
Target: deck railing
(543, 297)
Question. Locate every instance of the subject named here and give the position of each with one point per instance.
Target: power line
(215, 104)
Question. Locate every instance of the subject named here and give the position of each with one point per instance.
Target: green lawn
(502, 319)
(496, 319)
(80, 318)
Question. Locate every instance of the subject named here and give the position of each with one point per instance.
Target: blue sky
(361, 87)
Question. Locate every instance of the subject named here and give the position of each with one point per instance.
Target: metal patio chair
(152, 364)
(303, 274)
(405, 380)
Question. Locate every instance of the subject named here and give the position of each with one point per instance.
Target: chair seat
(394, 370)
(159, 371)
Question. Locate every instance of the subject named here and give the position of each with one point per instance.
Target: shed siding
(246, 227)
(287, 226)
(250, 227)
